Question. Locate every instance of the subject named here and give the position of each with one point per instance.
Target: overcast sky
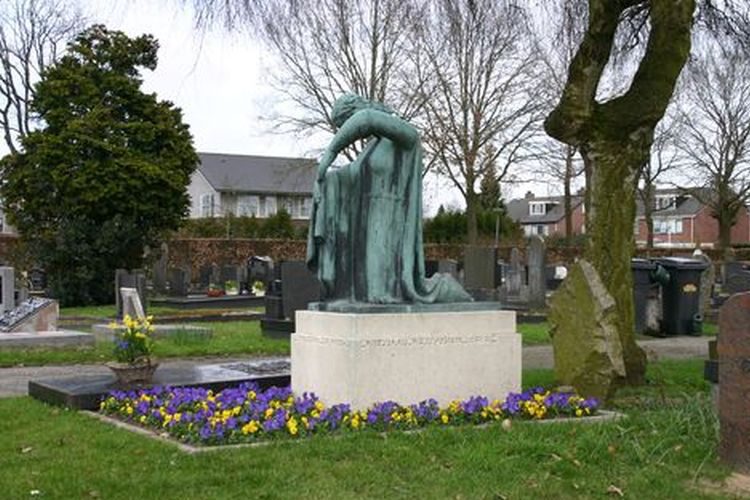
(221, 81)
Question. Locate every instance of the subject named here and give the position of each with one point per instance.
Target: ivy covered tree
(107, 173)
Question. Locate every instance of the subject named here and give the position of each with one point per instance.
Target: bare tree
(32, 34)
(558, 36)
(482, 67)
(329, 47)
(663, 160)
(716, 142)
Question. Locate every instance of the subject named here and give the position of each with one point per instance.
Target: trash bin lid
(644, 264)
(683, 263)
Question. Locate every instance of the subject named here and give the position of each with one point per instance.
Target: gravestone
(260, 268)
(38, 279)
(160, 270)
(736, 278)
(480, 271)
(178, 282)
(537, 279)
(708, 278)
(229, 273)
(131, 303)
(587, 348)
(299, 287)
(448, 266)
(7, 289)
(514, 287)
(129, 279)
(205, 276)
(734, 381)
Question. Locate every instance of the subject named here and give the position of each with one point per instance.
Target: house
(545, 216)
(251, 185)
(680, 220)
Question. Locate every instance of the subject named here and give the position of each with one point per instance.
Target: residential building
(545, 216)
(681, 220)
(251, 185)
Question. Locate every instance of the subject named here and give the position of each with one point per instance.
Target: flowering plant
(133, 340)
(246, 413)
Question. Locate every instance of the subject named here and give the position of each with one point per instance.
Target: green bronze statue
(365, 237)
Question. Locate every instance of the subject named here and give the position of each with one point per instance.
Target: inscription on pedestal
(734, 377)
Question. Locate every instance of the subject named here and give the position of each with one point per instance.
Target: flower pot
(127, 373)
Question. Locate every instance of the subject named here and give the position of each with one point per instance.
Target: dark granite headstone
(85, 392)
(160, 270)
(734, 379)
(480, 267)
(129, 279)
(299, 287)
(736, 278)
(178, 282)
(229, 273)
(260, 269)
(38, 279)
(535, 258)
(205, 276)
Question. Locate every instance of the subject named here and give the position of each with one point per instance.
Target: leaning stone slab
(587, 349)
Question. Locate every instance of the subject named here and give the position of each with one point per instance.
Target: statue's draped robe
(365, 238)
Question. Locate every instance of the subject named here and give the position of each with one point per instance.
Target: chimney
(529, 196)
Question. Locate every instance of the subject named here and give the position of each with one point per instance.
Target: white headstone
(131, 303)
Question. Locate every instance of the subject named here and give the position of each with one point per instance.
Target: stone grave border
(603, 416)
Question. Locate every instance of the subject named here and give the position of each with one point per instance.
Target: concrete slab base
(362, 359)
(49, 339)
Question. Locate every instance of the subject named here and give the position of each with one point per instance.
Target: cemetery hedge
(107, 173)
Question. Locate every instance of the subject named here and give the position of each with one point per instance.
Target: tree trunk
(587, 174)
(567, 179)
(611, 241)
(615, 138)
(472, 230)
(725, 231)
(648, 214)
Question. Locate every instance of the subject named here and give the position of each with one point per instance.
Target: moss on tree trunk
(615, 138)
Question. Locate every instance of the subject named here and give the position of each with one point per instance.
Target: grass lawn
(534, 333)
(662, 450)
(229, 338)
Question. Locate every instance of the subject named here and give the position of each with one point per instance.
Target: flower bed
(246, 414)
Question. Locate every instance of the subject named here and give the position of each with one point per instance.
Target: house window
(667, 226)
(665, 202)
(207, 205)
(288, 204)
(268, 206)
(247, 205)
(540, 229)
(305, 208)
(537, 208)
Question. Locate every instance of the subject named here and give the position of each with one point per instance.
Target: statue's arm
(366, 123)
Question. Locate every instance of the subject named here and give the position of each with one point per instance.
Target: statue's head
(348, 104)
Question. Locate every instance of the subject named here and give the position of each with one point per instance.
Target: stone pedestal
(405, 357)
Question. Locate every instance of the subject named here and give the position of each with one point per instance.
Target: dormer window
(664, 202)
(537, 208)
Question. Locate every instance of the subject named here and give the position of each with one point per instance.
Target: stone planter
(127, 373)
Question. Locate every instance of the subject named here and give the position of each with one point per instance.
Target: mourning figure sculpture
(365, 236)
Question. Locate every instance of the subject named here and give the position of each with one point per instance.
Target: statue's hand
(325, 162)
